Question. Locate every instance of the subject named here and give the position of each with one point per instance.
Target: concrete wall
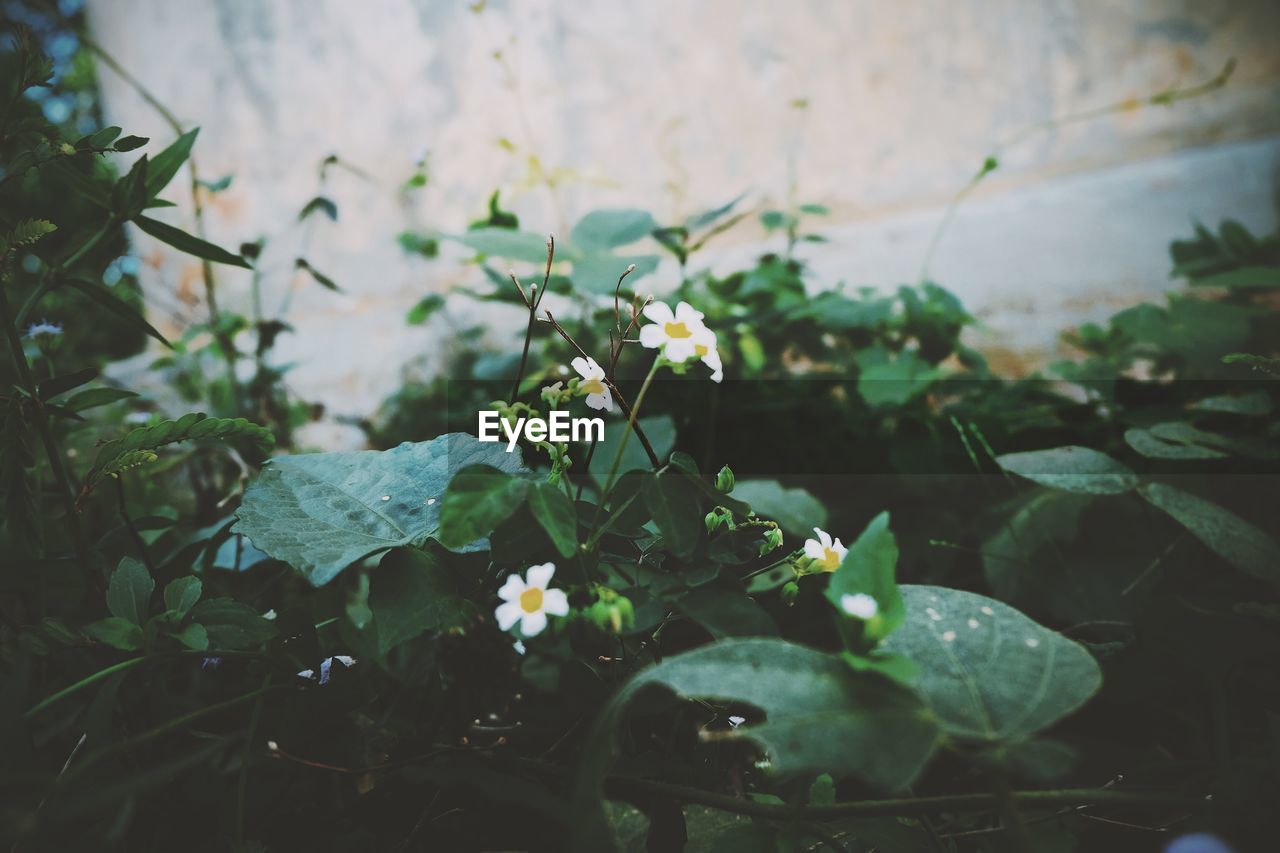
(881, 111)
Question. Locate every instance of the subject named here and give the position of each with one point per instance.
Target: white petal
(508, 614)
(540, 576)
(679, 349)
(659, 313)
(839, 549)
(813, 549)
(823, 536)
(688, 315)
(555, 602)
(599, 401)
(532, 624)
(510, 591)
(652, 336)
(582, 365)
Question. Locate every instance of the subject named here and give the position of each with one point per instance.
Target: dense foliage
(1054, 625)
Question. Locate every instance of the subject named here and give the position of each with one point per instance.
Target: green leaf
(108, 300)
(796, 510)
(232, 625)
(129, 591)
(478, 499)
(26, 232)
(661, 431)
(1242, 277)
(1071, 469)
(609, 229)
(988, 672)
(181, 594)
(555, 512)
(320, 278)
(117, 633)
(92, 398)
(422, 312)
(1181, 440)
(598, 272)
(320, 203)
(412, 593)
(673, 504)
(47, 389)
(194, 636)
(322, 512)
(820, 717)
(167, 162)
(727, 612)
(129, 143)
(191, 245)
(137, 445)
(506, 243)
(1226, 534)
(869, 569)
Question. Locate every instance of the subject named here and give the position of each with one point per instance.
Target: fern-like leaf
(137, 447)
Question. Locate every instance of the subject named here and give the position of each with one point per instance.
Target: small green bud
(790, 592)
(724, 480)
(772, 540)
(717, 518)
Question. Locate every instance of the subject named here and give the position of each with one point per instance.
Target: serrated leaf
(322, 512)
(1226, 534)
(555, 512)
(1071, 469)
(129, 591)
(989, 672)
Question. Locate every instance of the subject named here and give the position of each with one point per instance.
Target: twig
(533, 300)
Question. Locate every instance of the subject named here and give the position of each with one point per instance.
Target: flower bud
(724, 480)
(790, 592)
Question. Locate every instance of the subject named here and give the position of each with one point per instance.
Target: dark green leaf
(116, 632)
(129, 591)
(232, 625)
(478, 499)
(108, 300)
(673, 504)
(555, 512)
(412, 593)
(181, 594)
(167, 162)
(1226, 534)
(184, 242)
(1072, 469)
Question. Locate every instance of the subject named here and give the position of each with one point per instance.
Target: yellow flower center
(591, 386)
(677, 330)
(830, 560)
(700, 350)
(531, 600)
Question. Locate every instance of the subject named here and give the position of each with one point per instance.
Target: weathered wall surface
(880, 111)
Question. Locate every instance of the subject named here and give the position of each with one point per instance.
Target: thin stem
(133, 531)
(617, 395)
(532, 300)
(46, 433)
(992, 162)
(631, 425)
(53, 277)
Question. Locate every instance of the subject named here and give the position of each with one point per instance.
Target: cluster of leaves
(309, 655)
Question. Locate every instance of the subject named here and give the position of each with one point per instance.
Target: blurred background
(389, 125)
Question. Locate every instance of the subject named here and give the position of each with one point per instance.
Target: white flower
(828, 554)
(676, 333)
(529, 602)
(42, 329)
(705, 349)
(592, 384)
(861, 605)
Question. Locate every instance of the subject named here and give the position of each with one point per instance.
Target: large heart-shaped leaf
(1072, 469)
(322, 512)
(988, 671)
(820, 716)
